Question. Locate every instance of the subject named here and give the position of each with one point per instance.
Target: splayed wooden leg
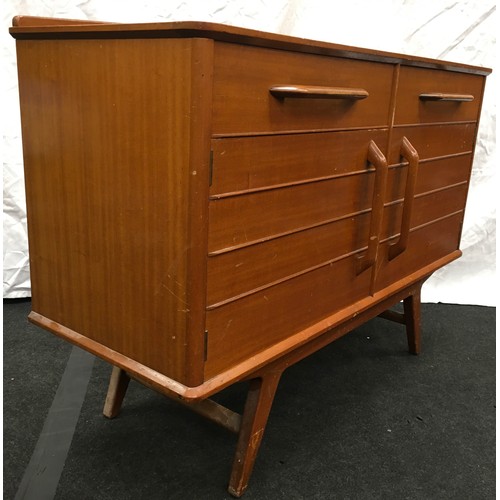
(412, 316)
(257, 407)
(118, 384)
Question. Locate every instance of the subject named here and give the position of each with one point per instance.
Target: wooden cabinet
(209, 204)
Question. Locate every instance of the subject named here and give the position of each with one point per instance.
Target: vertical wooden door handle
(409, 153)
(379, 161)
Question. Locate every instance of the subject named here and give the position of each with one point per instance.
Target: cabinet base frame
(264, 382)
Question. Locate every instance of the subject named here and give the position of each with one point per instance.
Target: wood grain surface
(247, 164)
(243, 76)
(415, 81)
(108, 196)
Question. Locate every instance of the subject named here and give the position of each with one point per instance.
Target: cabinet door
(290, 219)
(430, 160)
(425, 202)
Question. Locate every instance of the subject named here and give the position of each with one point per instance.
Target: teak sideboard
(209, 204)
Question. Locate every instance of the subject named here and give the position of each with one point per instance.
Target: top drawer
(243, 103)
(431, 95)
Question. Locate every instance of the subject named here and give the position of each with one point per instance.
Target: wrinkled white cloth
(455, 30)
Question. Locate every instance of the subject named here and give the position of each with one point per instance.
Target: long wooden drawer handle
(313, 92)
(409, 153)
(378, 160)
(446, 97)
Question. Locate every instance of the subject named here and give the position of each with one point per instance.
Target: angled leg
(257, 407)
(118, 384)
(412, 311)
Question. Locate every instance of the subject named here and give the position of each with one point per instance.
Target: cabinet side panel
(106, 133)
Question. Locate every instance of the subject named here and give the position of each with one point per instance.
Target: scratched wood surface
(108, 195)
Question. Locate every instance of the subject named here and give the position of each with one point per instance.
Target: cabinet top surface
(40, 28)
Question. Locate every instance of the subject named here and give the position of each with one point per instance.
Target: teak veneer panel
(243, 270)
(432, 176)
(243, 76)
(279, 211)
(427, 207)
(245, 164)
(415, 81)
(109, 197)
(282, 311)
(434, 141)
(427, 244)
(247, 270)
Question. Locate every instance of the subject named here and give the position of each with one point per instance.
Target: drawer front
(414, 83)
(426, 245)
(243, 104)
(245, 327)
(245, 164)
(249, 269)
(244, 220)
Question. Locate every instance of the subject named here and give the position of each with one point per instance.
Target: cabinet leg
(412, 308)
(257, 407)
(118, 384)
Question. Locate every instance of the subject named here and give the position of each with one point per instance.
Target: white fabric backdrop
(455, 30)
